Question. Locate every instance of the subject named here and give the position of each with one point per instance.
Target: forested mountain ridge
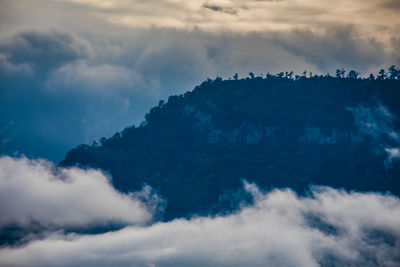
(277, 131)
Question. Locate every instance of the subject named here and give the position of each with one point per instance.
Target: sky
(73, 71)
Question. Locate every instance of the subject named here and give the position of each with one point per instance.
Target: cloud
(340, 46)
(103, 78)
(213, 7)
(393, 153)
(390, 4)
(377, 122)
(9, 68)
(249, 15)
(37, 192)
(44, 50)
(328, 227)
(217, 8)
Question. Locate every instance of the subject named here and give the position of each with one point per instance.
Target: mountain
(278, 131)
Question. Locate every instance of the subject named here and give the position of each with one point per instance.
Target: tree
(394, 73)
(103, 140)
(236, 77)
(340, 73)
(352, 74)
(116, 137)
(95, 144)
(251, 75)
(371, 77)
(381, 75)
(289, 75)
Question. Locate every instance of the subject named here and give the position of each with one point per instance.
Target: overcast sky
(72, 71)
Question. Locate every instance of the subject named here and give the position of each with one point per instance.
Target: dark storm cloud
(213, 7)
(44, 50)
(340, 46)
(328, 227)
(219, 8)
(390, 4)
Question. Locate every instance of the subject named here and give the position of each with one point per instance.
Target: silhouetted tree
(236, 77)
(289, 75)
(371, 77)
(103, 141)
(251, 75)
(394, 73)
(340, 73)
(95, 144)
(352, 74)
(381, 75)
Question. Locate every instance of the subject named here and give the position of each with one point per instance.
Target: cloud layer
(219, 15)
(327, 227)
(36, 192)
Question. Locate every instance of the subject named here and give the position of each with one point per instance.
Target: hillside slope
(196, 148)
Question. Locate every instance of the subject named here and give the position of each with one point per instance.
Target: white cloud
(377, 122)
(330, 227)
(35, 191)
(393, 153)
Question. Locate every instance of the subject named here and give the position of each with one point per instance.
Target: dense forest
(280, 130)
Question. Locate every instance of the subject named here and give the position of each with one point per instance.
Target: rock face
(198, 147)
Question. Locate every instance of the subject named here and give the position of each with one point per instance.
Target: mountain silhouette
(280, 131)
